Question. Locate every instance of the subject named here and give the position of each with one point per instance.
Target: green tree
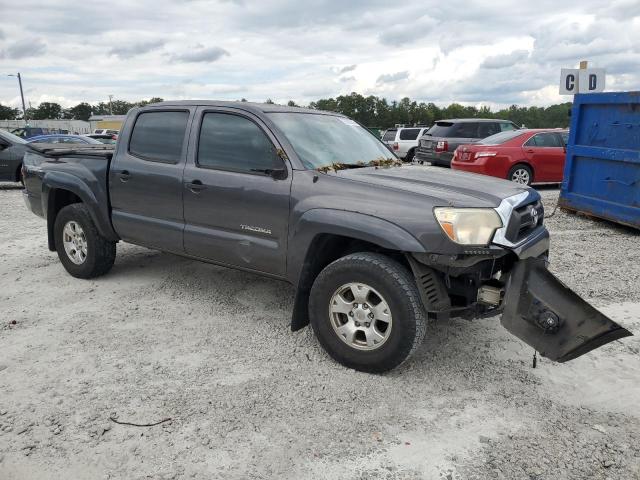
(45, 111)
(82, 111)
(115, 107)
(8, 113)
(142, 103)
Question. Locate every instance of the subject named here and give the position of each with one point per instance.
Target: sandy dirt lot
(210, 348)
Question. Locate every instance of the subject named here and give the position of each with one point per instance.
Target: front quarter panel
(321, 204)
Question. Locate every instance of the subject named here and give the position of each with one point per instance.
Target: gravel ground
(210, 348)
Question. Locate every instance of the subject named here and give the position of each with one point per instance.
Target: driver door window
(234, 143)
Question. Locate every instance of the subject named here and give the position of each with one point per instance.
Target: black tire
(396, 285)
(410, 154)
(100, 252)
(516, 170)
(19, 176)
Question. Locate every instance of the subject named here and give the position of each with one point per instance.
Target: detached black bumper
(547, 315)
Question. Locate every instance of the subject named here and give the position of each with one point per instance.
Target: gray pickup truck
(374, 248)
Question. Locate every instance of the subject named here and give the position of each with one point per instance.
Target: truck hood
(451, 187)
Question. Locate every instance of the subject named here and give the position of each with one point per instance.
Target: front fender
(317, 224)
(90, 191)
(359, 226)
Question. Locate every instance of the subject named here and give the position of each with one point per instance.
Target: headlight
(468, 226)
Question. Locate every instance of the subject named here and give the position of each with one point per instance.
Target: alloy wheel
(360, 316)
(74, 242)
(520, 176)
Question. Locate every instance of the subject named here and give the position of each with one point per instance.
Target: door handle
(530, 151)
(196, 186)
(124, 175)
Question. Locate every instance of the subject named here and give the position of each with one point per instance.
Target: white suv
(404, 140)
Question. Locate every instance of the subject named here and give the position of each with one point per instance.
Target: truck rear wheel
(366, 312)
(84, 253)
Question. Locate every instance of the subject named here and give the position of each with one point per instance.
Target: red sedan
(524, 156)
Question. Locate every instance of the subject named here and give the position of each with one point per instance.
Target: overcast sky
(491, 53)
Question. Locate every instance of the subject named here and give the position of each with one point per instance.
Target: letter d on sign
(591, 80)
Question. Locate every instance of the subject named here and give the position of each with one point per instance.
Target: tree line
(81, 111)
(371, 111)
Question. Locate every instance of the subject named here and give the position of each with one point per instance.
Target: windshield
(502, 137)
(326, 140)
(10, 137)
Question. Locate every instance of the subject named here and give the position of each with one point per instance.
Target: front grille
(524, 220)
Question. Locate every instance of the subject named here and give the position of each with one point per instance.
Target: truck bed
(55, 150)
(53, 170)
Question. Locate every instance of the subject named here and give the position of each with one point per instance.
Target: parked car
(28, 132)
(12, 150)
(523, 156)
(440, 141)
(403, 141)
(373, 247)
(65, 139)
(105, 131)
(105, 138)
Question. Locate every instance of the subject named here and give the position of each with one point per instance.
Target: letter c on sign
(593, 82)
(570, 82)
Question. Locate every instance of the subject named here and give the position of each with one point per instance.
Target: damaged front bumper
(547, 315)
(536, 307)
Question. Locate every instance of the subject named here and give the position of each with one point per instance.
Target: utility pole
(110, 105)
(24, 108)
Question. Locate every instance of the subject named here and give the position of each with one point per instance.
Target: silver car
(403, 141)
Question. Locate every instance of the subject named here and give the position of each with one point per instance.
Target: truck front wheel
(366, 312)
(84, 253)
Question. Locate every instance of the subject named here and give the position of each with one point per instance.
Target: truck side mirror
(278, 174)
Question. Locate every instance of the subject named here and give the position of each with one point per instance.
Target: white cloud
(135, 49)
(24, 49)
(506, 60)
(392, 77)
(199, 54)
(495, 53)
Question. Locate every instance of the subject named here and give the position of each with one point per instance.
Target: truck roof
(247, 106)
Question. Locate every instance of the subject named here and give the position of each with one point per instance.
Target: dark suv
(440, 141)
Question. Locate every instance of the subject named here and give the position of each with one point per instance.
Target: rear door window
(465, 130)
(544, 140)
(409, 133)
(159, 136)
(565, 137)
(486, 129)
(507, 126)
(389, 136)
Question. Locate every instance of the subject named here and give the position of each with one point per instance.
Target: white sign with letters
(591, 80)
(587, 80)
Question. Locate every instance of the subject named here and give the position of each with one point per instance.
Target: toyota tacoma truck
(374, 248)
